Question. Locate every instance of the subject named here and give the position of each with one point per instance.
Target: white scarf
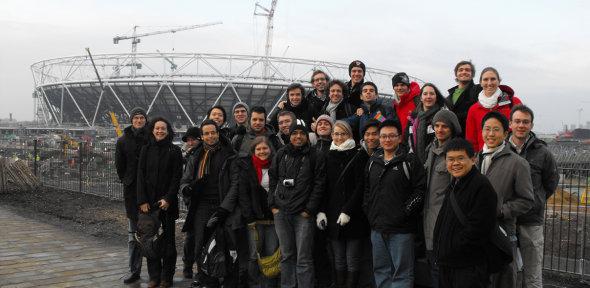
(489, 102)
(488, 154)
(346, 145)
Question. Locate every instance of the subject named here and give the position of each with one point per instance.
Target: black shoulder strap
(457, 209)
(346, 168)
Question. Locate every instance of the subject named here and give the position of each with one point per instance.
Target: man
(297, 179)
(296, 103)
(511, 177)
(285, 119)
(394, 191)
(545, 178)
(371, 108)
(318, 97)
(408, 97)
(356, 71)
(370, 134)
(459, 243)
(126, 159)
(219, 116)
(462, 96)
(446, 127)
(240, 112)
(212, 189)
(242, 141)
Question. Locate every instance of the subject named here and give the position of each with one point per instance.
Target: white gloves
(343, 219)
(321, 221)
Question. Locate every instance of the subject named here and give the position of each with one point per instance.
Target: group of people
(347, 189)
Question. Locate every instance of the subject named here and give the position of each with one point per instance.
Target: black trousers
(163, 269)
(465, 277)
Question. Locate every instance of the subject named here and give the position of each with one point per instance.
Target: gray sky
(541, 48)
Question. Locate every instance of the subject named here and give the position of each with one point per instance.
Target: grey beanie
(137, 111)
(238, 104)
(449, 118)
(327, 118)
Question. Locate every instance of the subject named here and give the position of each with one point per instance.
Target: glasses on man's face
(460, 159)
(340, 134)
(388, 136)
(488, 129)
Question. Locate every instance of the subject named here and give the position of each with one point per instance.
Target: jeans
(162, 269)
(393, 259)
(466, 277)
(347, 254)
(262, 238)
(295, 234)
(531, 246)
(134, 249)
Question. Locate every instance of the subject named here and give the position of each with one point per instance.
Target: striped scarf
(208, 150)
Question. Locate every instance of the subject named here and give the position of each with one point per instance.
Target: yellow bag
(269, 265)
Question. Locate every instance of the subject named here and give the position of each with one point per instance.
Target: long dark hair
(440, 99)
(152, 124)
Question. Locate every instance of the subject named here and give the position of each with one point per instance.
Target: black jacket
(544, 176)
(323, 145)
(343, 110)
(345, 196)
(158, 174)
(354, 93)
(252, 197)
(303, 112)
(242, 141)
(461, 107)
(126, 158)
(456, 245)
(315, 103)
(309, 180)
(391, 198)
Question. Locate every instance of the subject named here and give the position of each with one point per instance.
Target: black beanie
(137, 111)
(400, 77)
(357, 63)
(299, 125)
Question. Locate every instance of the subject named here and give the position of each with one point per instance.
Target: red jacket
(476, 113)
(406, 105)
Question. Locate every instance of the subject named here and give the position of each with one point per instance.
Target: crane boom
(118, 38)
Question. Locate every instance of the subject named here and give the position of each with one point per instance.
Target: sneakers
(132, 277)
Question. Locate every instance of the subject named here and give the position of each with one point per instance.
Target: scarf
(488, 154)
(208, 150)
(489, 102)
(346, 145)
(260, 164)
(331, 108)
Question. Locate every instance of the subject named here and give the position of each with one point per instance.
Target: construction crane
(269, 13)
(173, 65)
(115, 122)
(135, 39)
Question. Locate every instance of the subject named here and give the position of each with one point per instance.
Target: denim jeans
(393, 259)
(295, 234)
(531, 245)
(347, 254)
(268, 243)
(134, 249)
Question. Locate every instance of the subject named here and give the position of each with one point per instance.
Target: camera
(289, 182)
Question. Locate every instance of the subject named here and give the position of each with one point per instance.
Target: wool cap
(356, 63)
(449, 118)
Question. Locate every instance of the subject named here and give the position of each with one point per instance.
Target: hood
(408, 97)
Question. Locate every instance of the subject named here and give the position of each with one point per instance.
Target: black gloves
(218, 216)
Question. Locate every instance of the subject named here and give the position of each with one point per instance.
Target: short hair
(152, 125)
(372, 84)
(258, 109)
(498, 116)
(369, 124)
(524, 109)
(337, 82)
(209, 122)
(293, 86)
(220, 108)
(391, 123)
(489, 69)
(316, 72)
(258, 140)
(460, 144)
(465, 62)
(287, 113)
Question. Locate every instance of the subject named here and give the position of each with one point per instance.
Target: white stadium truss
(178, 86)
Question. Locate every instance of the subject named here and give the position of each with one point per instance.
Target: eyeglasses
(338, 134)
(458, 159)
(388, 136)
(488, 129)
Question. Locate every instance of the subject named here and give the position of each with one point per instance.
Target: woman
(493, 97)
(158, 180)
(338, 107)
(419, 131)
(253, 192)
(341, 212)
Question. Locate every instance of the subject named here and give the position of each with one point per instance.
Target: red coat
(406, 105)
(476, 113)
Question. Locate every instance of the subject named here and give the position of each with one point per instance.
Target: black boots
(352, 279)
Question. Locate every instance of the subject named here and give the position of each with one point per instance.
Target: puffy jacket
(242, 141)
(158, 174)
(406, 104)
(467, 98)
(392, 200)
(252, 197)
(437, 182)
(126, 158)
(476, 113)
(544, 176)
(307, 168)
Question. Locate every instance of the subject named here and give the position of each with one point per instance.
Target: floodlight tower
(269, 14)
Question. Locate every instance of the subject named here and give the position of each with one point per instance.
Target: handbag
(149, 234)
(498, 248)
(269, 265)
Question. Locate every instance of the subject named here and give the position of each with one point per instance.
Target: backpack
(215, 259)
(149, 234)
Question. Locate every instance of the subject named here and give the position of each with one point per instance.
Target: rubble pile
(15, 175)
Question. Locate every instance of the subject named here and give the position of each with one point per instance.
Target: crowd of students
(347, 189)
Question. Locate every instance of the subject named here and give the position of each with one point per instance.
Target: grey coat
(437, 181)
(544, 176)
(510, 175)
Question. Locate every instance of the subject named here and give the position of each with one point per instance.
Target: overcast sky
(541, 48)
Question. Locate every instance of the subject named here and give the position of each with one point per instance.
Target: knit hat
(137, 111)
(240, 104)
(325, 117)
(400, 77)
(356, 63)
(193, 132)
(299, 125)
(449, 118)
(344, 125)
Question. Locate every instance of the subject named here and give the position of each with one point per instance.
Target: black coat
(391, 200)
(461, 107)
(303, 112)
(354, 93)
(126, 158)
(253, 198)
(296, 163)
(323, 146)
(456, 245)
(345, 196)
(315, 103)
(158, 174)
